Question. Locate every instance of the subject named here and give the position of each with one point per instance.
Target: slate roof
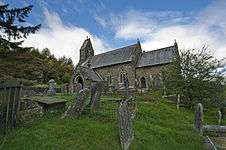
(117, 56)
(157, 57)
(89, 73)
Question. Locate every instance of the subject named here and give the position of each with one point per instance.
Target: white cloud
(62, 40)
(159, 29)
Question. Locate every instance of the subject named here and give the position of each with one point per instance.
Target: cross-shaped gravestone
(126, 87)
(126, 114)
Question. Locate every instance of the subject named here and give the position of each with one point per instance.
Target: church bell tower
(86, 51)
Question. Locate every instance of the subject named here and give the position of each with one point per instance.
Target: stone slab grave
(50, 103)
(29, 109)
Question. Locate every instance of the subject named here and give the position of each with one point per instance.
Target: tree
(10, 20)
(194, 75)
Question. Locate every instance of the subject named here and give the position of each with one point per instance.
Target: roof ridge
(163, 48)
(116, 49)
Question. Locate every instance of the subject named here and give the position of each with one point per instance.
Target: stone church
(143, 69)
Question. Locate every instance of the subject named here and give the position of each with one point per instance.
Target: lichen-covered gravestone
(52, 87)
(199, 118)
(126, 114)
(79, 104)
(126, 86)
(96, 91)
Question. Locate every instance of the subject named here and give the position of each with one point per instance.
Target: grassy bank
(158, 125)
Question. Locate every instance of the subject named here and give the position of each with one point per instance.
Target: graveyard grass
(157, 125)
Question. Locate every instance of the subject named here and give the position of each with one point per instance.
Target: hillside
(156, 126)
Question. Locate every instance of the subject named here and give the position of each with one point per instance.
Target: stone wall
(151, 74)
(115, 72)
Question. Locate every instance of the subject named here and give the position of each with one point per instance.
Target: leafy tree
(194, 75)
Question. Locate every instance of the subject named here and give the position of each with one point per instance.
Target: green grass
(156, 126)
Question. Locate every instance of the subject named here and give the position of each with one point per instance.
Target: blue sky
(116, 23)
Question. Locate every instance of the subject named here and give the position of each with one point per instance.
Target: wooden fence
(9, 105)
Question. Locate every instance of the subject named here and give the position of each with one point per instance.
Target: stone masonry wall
(115, 72)
(151, 74)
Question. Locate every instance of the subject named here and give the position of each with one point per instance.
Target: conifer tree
(11, 20)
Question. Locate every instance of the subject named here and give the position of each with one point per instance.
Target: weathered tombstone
(219, 117)
(199, 118)
(77, 87)
(52, 87)
(126, 85)
(178, 101)
(126, 114)
(96, 91)
(222, 111)
(79, 105)
(64, 88)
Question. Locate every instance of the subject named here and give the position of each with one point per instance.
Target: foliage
(194, 75)
(10, 20)
(30, 66)
(156, 126)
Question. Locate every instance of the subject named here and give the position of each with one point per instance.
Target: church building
(143, 69)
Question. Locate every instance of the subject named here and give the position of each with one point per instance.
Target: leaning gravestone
(199, 118)
(96, 91)
(79, 105)
(52, 87)
(126, 114)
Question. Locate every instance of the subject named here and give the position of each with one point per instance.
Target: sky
(116, 23)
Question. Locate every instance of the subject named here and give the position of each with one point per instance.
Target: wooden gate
(9, 105)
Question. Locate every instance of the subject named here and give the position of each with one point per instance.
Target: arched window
(108, 79)
(123, 75)
(143, 82)
(157, 82)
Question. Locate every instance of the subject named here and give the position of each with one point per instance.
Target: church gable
(158, 57)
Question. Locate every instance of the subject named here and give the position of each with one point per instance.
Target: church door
(143, 82)
(79, 80)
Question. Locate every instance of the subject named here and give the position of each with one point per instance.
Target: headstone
(222, 111)
(219, 117)
(199, 118)
(52, 87)
(126, 87)
(65, 88)
(96, 91)
(79, 105)
(77, 87)
(126, 114)
(178, 101)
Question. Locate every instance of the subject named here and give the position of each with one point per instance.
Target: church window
(109, 80)
(123, 75)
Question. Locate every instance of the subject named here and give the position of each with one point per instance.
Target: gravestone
(96, 91)
(126, 86)
(77, 87)
(126, 114)
(219, 117)
(79, 104)
(52, 87)
(199, 118)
